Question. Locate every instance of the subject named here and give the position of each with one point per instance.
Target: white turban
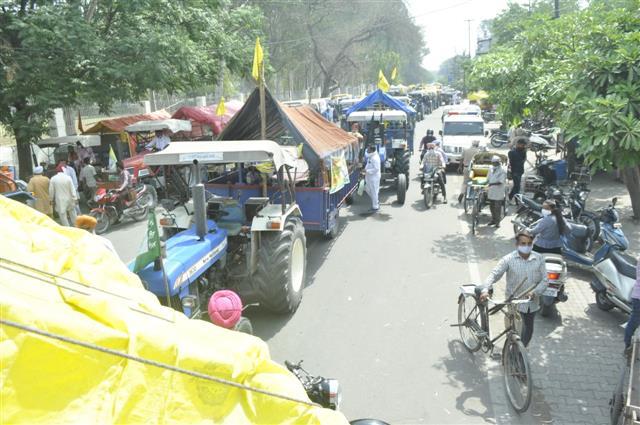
(495, 158)
(38, 170)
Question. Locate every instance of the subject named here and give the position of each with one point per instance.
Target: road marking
(496, 390)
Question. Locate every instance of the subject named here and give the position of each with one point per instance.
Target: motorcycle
(326, 392)
(499, 138)
(429, 187)
(556, 277)
(111, 208)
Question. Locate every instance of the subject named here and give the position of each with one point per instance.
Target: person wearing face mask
(496, 179)
(519, 265)
(548, 229)
(372, 176)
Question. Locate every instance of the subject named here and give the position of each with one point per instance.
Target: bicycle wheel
(517, 374)
(469, 320)
(475, 216)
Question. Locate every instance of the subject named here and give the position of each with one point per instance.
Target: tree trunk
(631, 177)
(25, 159)
(69, 121)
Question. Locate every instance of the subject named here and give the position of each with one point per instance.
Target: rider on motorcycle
(124, 183)
(429, 138)
(434, 163)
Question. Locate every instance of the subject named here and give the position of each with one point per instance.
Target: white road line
(494, 377)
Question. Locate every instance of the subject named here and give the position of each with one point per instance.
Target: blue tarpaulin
(379, 96)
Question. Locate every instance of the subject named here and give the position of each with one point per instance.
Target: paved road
(377, 309)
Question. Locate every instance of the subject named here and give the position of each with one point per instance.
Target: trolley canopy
(218, 152)
(87, 141)
(380, 97)
(172, 125)
(389, 115)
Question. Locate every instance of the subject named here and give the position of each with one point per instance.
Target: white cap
(38, 170)
(495, 158)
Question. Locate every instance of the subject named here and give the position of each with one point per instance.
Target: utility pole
(469, 35)
(556, 7)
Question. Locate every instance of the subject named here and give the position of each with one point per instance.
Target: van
(458, 133)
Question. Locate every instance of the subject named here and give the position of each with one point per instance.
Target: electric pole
(556, 7)
(469, 35)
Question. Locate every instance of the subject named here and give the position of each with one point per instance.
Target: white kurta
(497, 175)
(64, 196)
(372, 178)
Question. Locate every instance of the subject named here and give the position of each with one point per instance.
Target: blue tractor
(255, 247)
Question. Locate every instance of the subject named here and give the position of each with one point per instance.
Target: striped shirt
(432, 160)
(517, 269)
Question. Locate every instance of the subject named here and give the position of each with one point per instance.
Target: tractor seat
(232, 218)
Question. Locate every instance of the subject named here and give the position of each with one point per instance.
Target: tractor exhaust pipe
(200, 210)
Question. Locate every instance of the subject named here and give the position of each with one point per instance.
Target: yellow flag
(383, 84)
(257, 60)
(394, 73)
(221, 109)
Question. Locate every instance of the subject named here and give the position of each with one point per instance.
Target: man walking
(88, 179)
(39, 186)
(64, 196)
(521, 265)
(496, 180)
(517, 158)
(372, 176)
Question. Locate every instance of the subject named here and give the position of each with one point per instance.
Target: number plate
(551, 292)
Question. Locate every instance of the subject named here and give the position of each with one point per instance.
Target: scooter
(556, 277)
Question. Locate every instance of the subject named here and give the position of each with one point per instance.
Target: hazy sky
(445, 28)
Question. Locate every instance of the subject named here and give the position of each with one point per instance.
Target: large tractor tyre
(281, 269)
(401, 191)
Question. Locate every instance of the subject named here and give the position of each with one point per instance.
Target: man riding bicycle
(434, 163)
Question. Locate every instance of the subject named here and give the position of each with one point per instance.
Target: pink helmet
(225, 308)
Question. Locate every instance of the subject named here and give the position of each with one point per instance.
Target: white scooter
(613, 281)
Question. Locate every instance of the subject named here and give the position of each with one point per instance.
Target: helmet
(225, 308)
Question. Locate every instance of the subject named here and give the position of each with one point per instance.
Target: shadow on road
(465, 373)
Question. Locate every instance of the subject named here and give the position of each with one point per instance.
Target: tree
(58, 53)
(453, 72)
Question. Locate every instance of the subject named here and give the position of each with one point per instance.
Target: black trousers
(442, 181)
(517, 179)
(527, 327)
(496, 211)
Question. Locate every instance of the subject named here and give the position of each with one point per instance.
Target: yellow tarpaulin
(477, 96)
(48, 380)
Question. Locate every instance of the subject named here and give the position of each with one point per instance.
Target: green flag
(153, 245)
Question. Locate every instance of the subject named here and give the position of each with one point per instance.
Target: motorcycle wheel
(547, 310)
(141, 215)
(495, 142)
(103, 221)
(428, 197)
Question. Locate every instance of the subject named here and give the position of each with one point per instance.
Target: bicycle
(474, 332)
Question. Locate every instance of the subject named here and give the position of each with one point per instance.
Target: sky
(445, 27)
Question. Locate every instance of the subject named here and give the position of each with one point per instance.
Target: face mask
(545, 212)
(524, 249)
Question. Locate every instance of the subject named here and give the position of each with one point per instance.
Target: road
(378, 306)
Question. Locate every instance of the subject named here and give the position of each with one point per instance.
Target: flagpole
(263, 109)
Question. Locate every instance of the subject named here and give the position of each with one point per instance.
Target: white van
(458, 133)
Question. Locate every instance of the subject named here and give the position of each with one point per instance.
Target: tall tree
(56, 53)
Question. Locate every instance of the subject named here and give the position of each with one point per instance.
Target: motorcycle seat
(578, 230)
(531, 203)
(624, 263)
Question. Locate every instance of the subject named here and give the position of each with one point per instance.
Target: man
(159, 142)
(426, 140)
(496, 180)
(39, 186)
(519, 265)
(517, 158)
(372, 176)
(88, 179)
(88, 223)
(124, 182)
(465, 161)
(63, 196)
(83, 153)
(634, 319)
(438, 148)
(433, 161)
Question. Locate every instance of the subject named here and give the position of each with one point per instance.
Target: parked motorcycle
(326, 392)
(111, 208)
(499, 138)
(429, 187)
(556, 277)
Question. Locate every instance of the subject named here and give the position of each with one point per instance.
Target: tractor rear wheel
(281, 270)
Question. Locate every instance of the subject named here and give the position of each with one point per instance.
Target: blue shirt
(547, 233)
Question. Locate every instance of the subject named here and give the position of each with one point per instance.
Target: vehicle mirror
(614, 201)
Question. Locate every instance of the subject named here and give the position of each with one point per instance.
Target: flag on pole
(153, 244)
(258, 56)
(394, 73)
(112, 158)
(221, 109)
(383, 84)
